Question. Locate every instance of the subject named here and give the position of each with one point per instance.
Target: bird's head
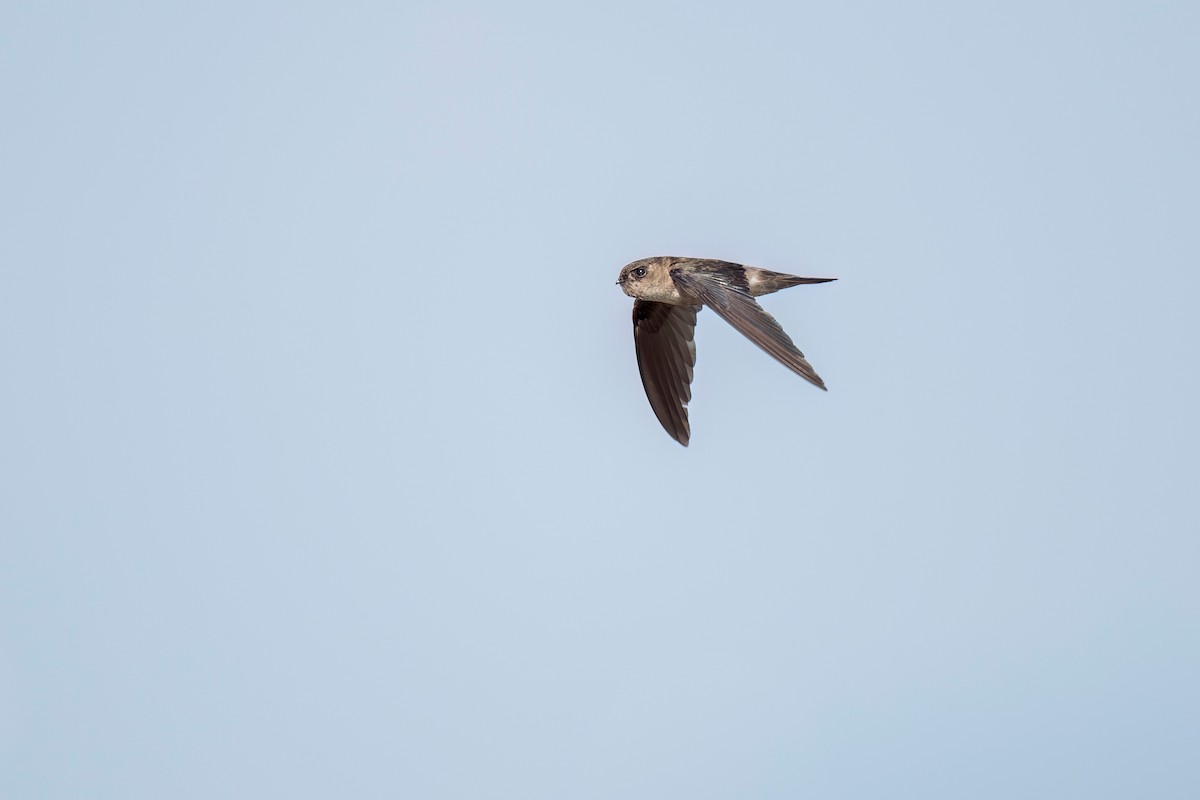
(636, 277)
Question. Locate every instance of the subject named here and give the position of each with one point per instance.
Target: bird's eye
(640, 272)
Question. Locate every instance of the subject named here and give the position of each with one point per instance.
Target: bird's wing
(666, 355)
(724, 293)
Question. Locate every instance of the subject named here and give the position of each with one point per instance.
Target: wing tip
(683, 436)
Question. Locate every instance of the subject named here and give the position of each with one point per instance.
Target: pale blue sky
(327, 471)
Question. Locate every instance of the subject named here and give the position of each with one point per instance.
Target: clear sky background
(326, 470)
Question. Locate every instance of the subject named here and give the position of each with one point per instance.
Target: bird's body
(667, 292)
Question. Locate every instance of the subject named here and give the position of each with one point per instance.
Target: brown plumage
(667, 292)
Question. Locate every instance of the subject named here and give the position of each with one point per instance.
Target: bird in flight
(667, 292)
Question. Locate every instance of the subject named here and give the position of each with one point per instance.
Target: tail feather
(764, 281)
